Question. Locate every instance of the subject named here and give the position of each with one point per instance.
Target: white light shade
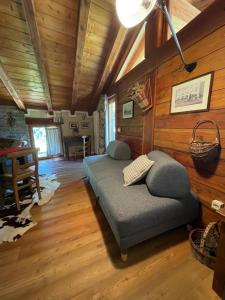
(133, 12)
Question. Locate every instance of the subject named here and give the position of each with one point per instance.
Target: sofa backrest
(119, 150)
(167, 177)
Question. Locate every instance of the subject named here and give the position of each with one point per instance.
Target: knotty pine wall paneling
(172, 133)
(138, 131)
(131, 129)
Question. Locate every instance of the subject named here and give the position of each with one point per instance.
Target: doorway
(111, 120)
(48, 140)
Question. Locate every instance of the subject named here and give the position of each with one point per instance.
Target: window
(111, 120)
(136, 54)
(184, 11)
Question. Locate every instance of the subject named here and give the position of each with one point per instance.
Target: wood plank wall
(131, 129)
(137, 132)
(172, 133)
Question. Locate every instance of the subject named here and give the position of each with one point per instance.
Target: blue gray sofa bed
(161, 202)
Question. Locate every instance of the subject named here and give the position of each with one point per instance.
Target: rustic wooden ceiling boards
(102, 29)
(4, 94)
(10, 88)
(30, 15)
(57, 23)
(81, 35)
(58, 53)
(17, 54)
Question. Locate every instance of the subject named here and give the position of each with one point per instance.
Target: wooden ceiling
(60, 54)
(57, 53)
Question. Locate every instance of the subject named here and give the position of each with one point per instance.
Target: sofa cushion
(137, 170)
(119, 150)
(108, 168)
(99, 167)
(167, 177)
(109, 147)
(132, 212)
(133, 209)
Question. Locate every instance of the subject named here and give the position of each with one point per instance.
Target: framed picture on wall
(84, 125)
(73, 125)
(128, 110)
(192, 96)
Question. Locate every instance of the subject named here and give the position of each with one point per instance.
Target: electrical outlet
(216, 204)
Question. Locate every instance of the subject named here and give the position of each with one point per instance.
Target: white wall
(78, 117)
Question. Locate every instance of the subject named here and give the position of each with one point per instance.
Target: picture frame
(192, 95)
(84, 125)
(73, 125)
(128, 110)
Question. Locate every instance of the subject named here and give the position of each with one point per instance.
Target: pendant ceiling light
(133, 12)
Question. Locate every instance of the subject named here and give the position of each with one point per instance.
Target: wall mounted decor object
(10, 119)
(74, 126)
(205, 152)
(84, 125)
(140, 93)
(128, 110)
(192, 95)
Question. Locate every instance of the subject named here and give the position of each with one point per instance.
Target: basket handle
(203, 122)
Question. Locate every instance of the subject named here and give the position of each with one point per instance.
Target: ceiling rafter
(81, 34)
(30, 15)
(110, 60)
(123, 51)
(130, 40)
(9, 86)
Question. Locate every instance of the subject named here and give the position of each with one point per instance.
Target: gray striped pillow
(137, 170)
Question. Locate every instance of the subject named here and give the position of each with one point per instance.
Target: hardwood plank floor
(71, 254)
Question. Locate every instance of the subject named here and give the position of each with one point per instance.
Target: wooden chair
(24, 168)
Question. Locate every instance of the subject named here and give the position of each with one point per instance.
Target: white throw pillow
(137, 170)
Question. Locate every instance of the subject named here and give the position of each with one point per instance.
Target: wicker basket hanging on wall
(204, 152)
(141, 94)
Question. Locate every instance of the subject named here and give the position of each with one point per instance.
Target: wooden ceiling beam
(121, 55)
(81, 34)
(130, 40)
(30, 15)
(10, 88)
(110, 61)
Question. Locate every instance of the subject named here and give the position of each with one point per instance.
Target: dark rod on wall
(188, 67)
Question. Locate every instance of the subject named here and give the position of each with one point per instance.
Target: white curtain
(54, 144)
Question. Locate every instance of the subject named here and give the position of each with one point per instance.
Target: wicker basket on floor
(196, 238)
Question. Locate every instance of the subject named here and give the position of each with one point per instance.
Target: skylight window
(136, 54)
(184, 11)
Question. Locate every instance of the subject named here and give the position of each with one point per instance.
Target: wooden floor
(71, 254)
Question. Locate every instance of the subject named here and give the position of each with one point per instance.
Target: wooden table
(73, 140)
(219, 275)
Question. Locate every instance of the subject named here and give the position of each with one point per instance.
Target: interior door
(48, 140)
